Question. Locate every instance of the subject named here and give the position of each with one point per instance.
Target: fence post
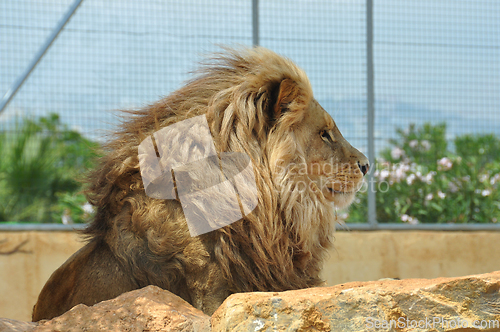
(255, 22)
(11, 92)
(370, 107)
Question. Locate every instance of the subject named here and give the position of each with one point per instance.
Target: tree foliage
(39, 170)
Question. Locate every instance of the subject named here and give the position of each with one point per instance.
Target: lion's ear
(287, 93)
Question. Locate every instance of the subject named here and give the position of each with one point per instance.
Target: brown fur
(256, 102)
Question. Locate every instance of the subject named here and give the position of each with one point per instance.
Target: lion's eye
(325, 135)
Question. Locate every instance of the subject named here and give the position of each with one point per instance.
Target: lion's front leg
(206, 283)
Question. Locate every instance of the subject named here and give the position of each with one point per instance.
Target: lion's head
(269, 109)
(255, 102)
(323, 160)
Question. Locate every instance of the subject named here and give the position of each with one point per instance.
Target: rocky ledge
(470, 303)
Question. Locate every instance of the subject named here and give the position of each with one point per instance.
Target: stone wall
(28, 258)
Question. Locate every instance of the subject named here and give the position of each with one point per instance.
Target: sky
(435, 60)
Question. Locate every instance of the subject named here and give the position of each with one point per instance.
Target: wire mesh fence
(433, 61)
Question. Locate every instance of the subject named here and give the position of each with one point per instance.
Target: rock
(11, 325)
(443, 304)
(147, 309)
(469, 303)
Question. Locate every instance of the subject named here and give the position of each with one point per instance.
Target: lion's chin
(340, 199)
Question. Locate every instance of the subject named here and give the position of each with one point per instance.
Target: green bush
(420, 180)
(39, 168)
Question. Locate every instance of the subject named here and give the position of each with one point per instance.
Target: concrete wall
(359, 256)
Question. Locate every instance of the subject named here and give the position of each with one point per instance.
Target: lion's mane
(281, 244)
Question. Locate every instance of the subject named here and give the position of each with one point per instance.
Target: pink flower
(343, 216)
(384, 174)
(453, 187)
(87, 208)
(399, 174)
(413, 221)
(397, 153)
(428, 178)
(483, 178)
(495, 179)
(410, 220)
(410, 179)
(486, 192)
(444, 164)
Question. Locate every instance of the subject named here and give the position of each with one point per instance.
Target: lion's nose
(364, 168)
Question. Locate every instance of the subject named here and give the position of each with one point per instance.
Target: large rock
(443, 304)
(147, 309)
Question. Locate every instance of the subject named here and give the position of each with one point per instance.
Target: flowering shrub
(419, 179)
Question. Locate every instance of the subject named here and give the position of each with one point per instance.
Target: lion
(258, 103)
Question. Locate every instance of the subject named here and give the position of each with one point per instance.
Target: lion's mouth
(333, 191)
(341, 199)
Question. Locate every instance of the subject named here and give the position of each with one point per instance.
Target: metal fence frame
(372, 223)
